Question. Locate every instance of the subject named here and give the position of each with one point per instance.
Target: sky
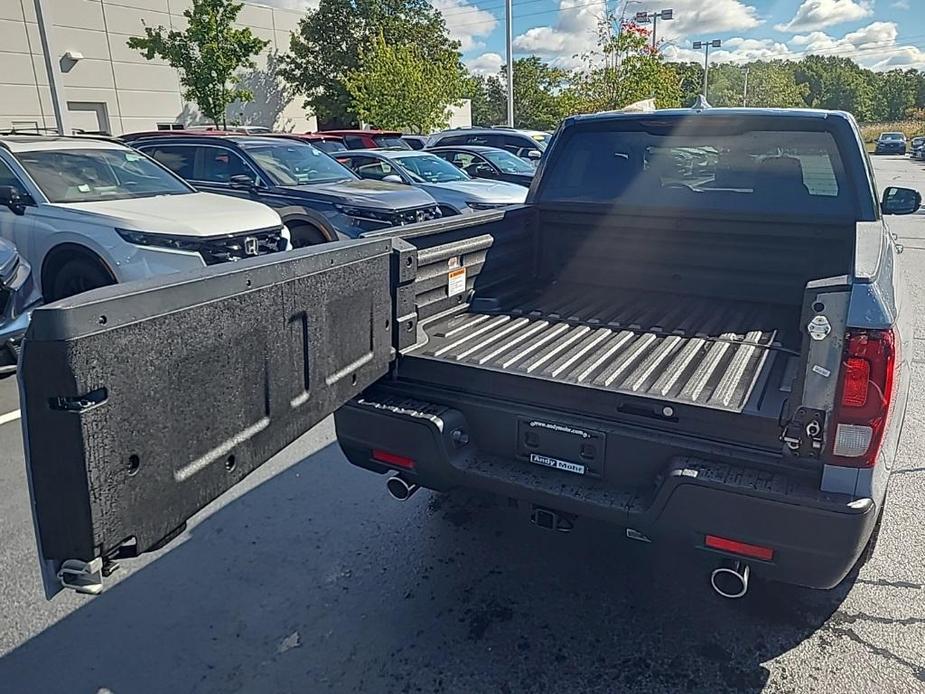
(878, 34)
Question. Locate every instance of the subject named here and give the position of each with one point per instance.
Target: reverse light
(865, 394)
(393, 459)
(742, 548)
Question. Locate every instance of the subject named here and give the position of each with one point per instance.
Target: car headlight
(144, 238)
(365, 213)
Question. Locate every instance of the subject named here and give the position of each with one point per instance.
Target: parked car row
(78, 213)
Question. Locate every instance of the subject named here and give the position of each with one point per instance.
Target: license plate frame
(561, 446)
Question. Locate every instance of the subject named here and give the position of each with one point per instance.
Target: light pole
(646, 17)
(745, 89)
(706, 46)
(508, 10)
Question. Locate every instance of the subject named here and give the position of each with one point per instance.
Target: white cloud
(574, 32)
(900, 5)
(874, 46)
(485, 64)
(576, 27)
(701, 17)
(818, 14)
(734, 50)
(466, 22)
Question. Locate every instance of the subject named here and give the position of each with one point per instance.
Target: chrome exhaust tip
(730, 582)
(400, 489)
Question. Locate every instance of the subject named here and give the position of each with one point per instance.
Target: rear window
(393, 141)
(702, 168)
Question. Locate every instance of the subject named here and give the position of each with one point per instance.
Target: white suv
(90, 212)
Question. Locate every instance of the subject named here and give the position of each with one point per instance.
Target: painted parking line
(9, 417)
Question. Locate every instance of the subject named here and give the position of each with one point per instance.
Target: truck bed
(684, 349)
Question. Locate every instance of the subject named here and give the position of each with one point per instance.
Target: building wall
(113, 87)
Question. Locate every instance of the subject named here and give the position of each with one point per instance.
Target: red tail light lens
(865, 396)
(857, 382)
(736, 547)
(393, 459)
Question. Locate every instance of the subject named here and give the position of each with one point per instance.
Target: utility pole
(646, 17)
(745, 89)
(508, 10)
(51, 67)
(706, 46)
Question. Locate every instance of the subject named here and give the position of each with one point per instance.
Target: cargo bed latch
(79, 403)
(803, 433)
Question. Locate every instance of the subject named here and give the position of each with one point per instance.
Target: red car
(370, 139)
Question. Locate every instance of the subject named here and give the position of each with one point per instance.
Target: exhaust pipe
(400, 488)
(730, 582)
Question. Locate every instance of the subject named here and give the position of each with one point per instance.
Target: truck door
(144, 402)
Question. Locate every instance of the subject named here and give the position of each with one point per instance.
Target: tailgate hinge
(803, 434)
(82, 576)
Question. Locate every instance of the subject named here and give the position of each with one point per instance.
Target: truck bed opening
(675, 348)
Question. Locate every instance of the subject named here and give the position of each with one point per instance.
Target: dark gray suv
(526, 144)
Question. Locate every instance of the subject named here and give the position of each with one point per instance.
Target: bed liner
(692, 350)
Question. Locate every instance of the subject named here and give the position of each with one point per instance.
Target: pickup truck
(713, 357)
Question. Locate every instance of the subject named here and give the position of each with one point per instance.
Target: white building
(112, 88)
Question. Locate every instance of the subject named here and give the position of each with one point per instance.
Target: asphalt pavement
(309, 578)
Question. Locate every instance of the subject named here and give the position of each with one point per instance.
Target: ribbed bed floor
(675, 348)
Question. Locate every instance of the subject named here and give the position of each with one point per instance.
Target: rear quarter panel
(880, 300)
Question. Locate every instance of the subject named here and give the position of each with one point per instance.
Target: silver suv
(526, 144)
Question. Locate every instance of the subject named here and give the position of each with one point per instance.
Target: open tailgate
(144, 402)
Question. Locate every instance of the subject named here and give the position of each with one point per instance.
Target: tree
(624, 70)
(895, 94)
(207, 54)
(328, 44)
(836, 83)
(541, 95)
(396, 87)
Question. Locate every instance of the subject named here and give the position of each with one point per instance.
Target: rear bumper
(816, 537)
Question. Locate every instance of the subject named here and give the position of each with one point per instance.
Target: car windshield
(296, 163)
(892, 136)
(330, 146)
(391, 141)
(90, 175)
(508, 163)
(429, 168)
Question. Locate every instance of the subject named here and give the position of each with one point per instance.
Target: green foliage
(541, 96)
(397, 87)
(836, 83)
(624, 70)
(770, 84)
(207, 54)
(331, 39)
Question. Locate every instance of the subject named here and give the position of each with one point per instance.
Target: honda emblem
(251, 246)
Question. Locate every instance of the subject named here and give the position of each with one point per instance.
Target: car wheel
(77, 276)
(305, 235)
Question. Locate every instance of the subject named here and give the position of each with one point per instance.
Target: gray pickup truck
(694, 329)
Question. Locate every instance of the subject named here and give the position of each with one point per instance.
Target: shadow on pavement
(316, 581)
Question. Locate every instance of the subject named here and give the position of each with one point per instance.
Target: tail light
(865, 394)
(393, 459)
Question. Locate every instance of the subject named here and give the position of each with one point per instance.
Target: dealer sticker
(456, 281)
(557, 464)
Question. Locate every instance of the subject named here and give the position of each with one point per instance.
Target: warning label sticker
(456, 281)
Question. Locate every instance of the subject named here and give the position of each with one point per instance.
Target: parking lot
(309, 578)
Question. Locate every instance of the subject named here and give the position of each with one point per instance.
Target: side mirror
(534, 154)
(242, 181)
(10, 197)
(485, 171)
(900, 201)
(392, 178)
